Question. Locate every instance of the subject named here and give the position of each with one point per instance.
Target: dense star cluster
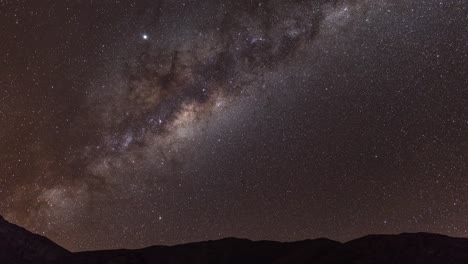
(133, 123)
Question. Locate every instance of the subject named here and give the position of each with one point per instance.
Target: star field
(135, 123)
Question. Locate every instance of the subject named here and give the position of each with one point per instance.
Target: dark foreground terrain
(19, 246)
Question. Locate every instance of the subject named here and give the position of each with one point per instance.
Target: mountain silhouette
(19, 246)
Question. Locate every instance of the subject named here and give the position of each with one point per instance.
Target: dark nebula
(134, 123)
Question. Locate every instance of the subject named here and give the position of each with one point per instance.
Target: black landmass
(19, 246)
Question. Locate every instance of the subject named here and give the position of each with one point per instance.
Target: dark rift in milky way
(251, 38)
(157, 101)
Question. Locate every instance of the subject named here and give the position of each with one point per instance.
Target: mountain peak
(19, 246)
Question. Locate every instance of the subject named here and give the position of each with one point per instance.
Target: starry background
(134, 123)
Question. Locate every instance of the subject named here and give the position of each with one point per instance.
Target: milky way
(133, 123)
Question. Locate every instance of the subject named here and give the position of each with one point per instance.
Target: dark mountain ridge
(19, 246)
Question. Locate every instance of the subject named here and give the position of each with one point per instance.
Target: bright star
(145, 37)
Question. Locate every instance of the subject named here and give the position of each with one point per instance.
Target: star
(145, 36)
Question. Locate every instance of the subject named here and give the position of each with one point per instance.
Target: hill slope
(18, 246)
(228, 250)
(404, 248)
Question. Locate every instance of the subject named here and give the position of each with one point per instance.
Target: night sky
(133, 123)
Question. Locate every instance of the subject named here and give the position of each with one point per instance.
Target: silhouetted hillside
(228, 250)
(404, 248)
(19, 246)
